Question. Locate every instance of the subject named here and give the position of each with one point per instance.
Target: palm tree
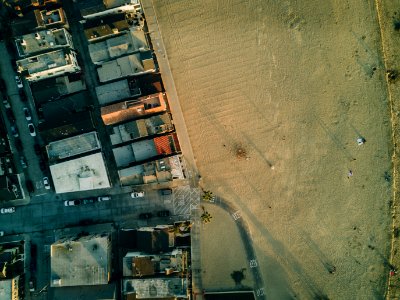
(208, 196)
(205, 216)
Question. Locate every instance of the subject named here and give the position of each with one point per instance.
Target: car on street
(163, 213)
(31, 128)
(24, 164)
(136, 194)
(3, 86)
(103, 198)
(32, 284)
(18, 145)
(6, 102)
(1, 233)
(29, 186)
(46, 183)
(14, 131)
(145, 216)
(166, 191)
(22, 95)
(10, 115)
(72, 202)
(37, 148)
(88, 201)
(18, 81)
(27, 114)
(7, 210)
(42, 165)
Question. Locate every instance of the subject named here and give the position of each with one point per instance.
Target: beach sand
(292, 84)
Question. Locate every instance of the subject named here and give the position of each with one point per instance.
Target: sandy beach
(292, 84)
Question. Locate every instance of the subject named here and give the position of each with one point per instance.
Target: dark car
(166, 192)
(10, 115)
(18, 145)
(29, 186)
(163, 213)
(23, 95)
(38, 149)
(145, 216)
(89, 201)
(3, 86)
(42, 165)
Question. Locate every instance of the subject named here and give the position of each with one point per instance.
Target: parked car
(18, 145)
(32, 284)
(136, 194)
(88, 201)
(10, 115)
(163, 213)
(7, 210)
(27, 114)
(18, 82)
(3, 86)
(24, 164)
(29, 186)
(23, 96)
(166, 191)
(46, 183)
(145, 216)
(37, 148)
(1, 233)
(42, 165)
(6, 102)
(32, 130)
(14, 131)
(72, 202)
(103, 198)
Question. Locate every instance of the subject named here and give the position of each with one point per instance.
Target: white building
(47, 65)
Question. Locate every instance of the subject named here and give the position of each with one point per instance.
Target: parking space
(184, 199)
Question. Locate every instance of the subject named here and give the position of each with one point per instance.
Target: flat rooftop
(73, 146)
(114, 91)
(45, 61)
(80, 174)
(156, 287)
(41, 41)
(135, 152)
(129, 42)
(134, 109)
(85, 261)
(130, 65)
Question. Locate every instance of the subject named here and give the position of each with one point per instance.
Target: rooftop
(158, 171)
(51, 89)
(72, 123)
(89, 7)
(7, 288)
(45, 61)
(141, 128)
(133, 64)
(83, 261)
(51, 17)
(156, 287)
(134, 109)
(106, 26)
(73, 146)
(42, 41)
(136, 152)
(114, 91)
(129, 42)
(80, 174)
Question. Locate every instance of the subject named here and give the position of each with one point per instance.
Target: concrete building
(99, 8)
(80, 174)
(38, 19)
(43, 41)
(134, 64)
(81, 261)
(140, 264)
(12, 288)
(153, 172)
(47, 65)
(111, 25)
(129, 42)
(155, 288)
(141, 128)
(73, 146)
(54, 88)
(134, 109)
